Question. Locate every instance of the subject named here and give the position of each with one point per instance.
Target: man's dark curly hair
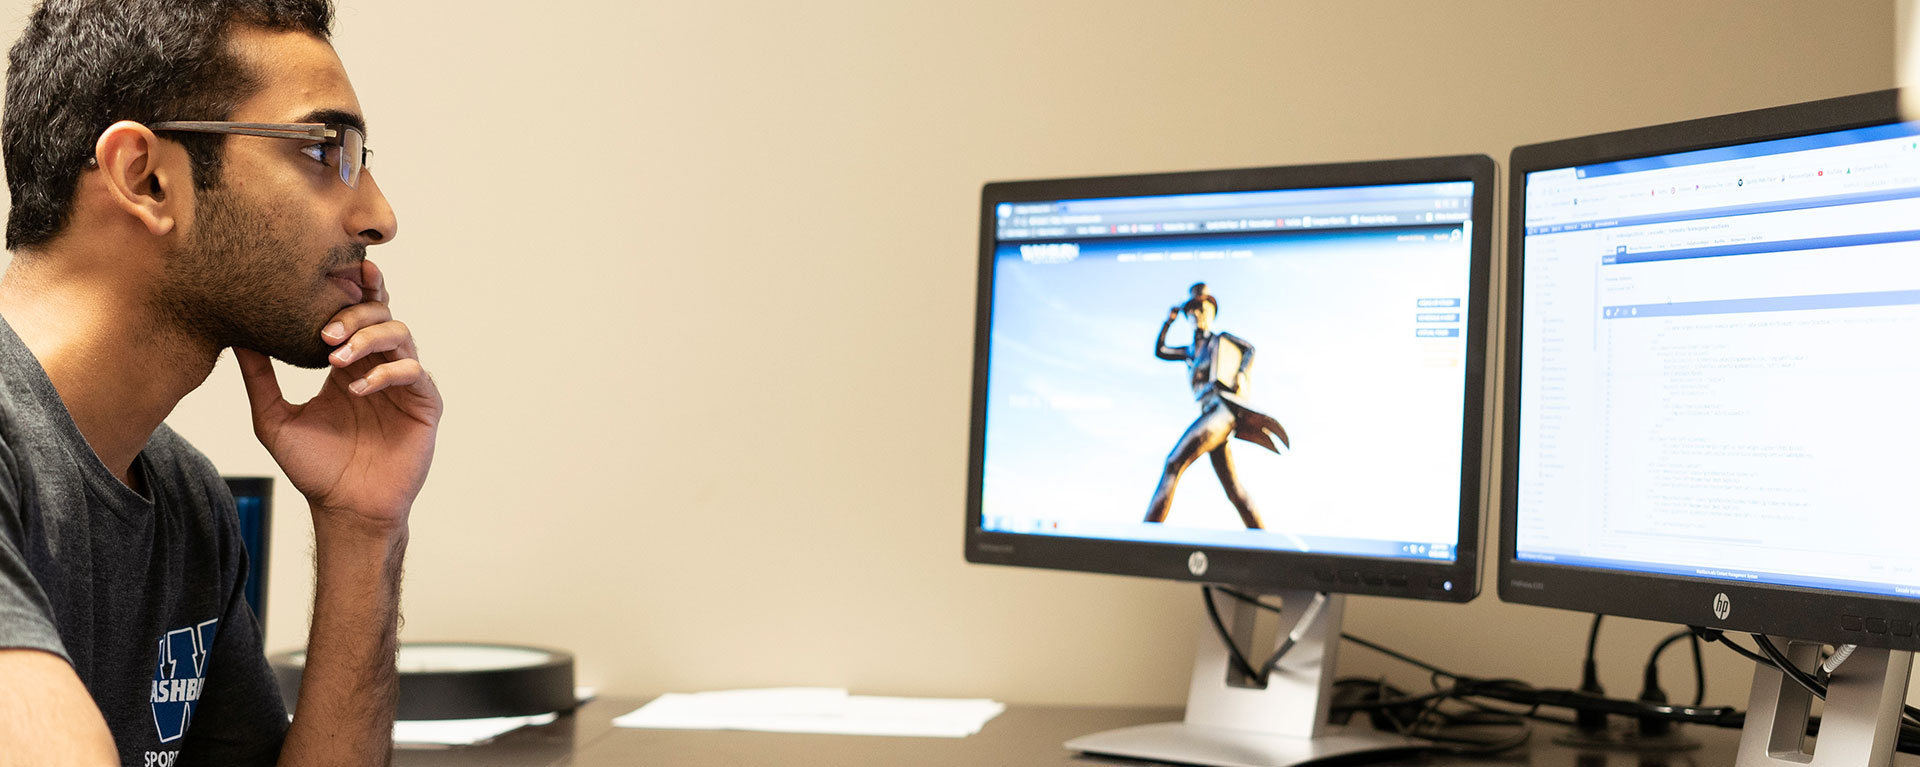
(82, 65)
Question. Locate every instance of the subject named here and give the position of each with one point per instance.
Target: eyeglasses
(345, 143)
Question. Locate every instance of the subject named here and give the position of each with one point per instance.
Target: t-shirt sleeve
(26, 615)
(240, 719)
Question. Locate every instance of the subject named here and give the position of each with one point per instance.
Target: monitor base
(1236, 721)
(1183, 743)
(1859, 725)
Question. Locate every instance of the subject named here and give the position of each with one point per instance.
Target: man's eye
(317, 151)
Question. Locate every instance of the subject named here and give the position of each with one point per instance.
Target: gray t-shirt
(143, 597)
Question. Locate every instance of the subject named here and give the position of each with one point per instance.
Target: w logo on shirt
(178, 678)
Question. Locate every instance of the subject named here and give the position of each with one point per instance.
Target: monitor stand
(1230, 723)
(1859, 725)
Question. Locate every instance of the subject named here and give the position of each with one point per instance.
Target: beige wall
(697, 279)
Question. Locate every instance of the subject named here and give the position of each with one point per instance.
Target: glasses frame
(334, 134)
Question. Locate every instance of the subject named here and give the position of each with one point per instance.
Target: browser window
(1720, 365)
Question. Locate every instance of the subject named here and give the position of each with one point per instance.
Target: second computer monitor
(1713, 360)
(1269, 377)
(1713, 370)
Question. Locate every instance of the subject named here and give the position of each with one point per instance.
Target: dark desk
(1023, 736)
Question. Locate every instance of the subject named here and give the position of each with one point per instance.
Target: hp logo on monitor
(1197, 563)
(1722, 606)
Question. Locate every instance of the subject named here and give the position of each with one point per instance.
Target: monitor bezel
(1791, 611)
(1262, 570)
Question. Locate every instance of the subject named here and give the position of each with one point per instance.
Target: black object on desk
(463, 680)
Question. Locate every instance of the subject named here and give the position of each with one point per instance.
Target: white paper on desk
(814, 710)
(468, 732)
(461, 732)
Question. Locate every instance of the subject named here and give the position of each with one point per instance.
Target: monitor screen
(1288, 368)
(1716, 353)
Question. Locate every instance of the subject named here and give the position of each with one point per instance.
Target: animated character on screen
(1218, 365)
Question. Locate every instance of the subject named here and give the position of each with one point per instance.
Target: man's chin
(311, 358)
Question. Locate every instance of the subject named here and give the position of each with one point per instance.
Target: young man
(189, 176)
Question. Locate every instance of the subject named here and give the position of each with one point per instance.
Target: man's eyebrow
(332, 116)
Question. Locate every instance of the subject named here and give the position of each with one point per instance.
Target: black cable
(1480, 747)
(1264, 671)
(1393, 710)
(1712, 635)
(1651, 691)
(1780, 661)
(1699, 671)
(1532, 712)
(1465, 689)
(1661, 648)
(1516, 691)
(1226, 638)
(1584, 701)
(1588, 719)
(1402, 657)
(1699, 666)
(1255, 601)
(1383, 703)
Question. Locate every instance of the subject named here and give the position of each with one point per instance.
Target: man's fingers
(373, 282)
(263, 388)
(390, 336)
(398, 373)
(352, 319)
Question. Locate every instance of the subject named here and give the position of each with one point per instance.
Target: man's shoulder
(24, 427)
(33, 420)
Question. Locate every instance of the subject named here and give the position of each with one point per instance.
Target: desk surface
(1024, 736)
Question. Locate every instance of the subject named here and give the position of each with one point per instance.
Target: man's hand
(360, 449)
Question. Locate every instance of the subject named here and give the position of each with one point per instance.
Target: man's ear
(143, 176)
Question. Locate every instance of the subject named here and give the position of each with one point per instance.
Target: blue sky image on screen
(1354, 355)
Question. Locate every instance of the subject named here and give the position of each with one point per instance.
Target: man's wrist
(355, 529)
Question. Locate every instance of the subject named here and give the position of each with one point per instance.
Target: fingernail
(334, 330)
(357, 386)
(344, 353)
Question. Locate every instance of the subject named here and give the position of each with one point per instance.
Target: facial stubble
(240, 280)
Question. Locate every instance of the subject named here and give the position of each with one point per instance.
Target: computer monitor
(1713, 356)
(253, 499)
(1271, 378)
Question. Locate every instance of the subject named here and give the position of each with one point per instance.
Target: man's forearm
(349, 688)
